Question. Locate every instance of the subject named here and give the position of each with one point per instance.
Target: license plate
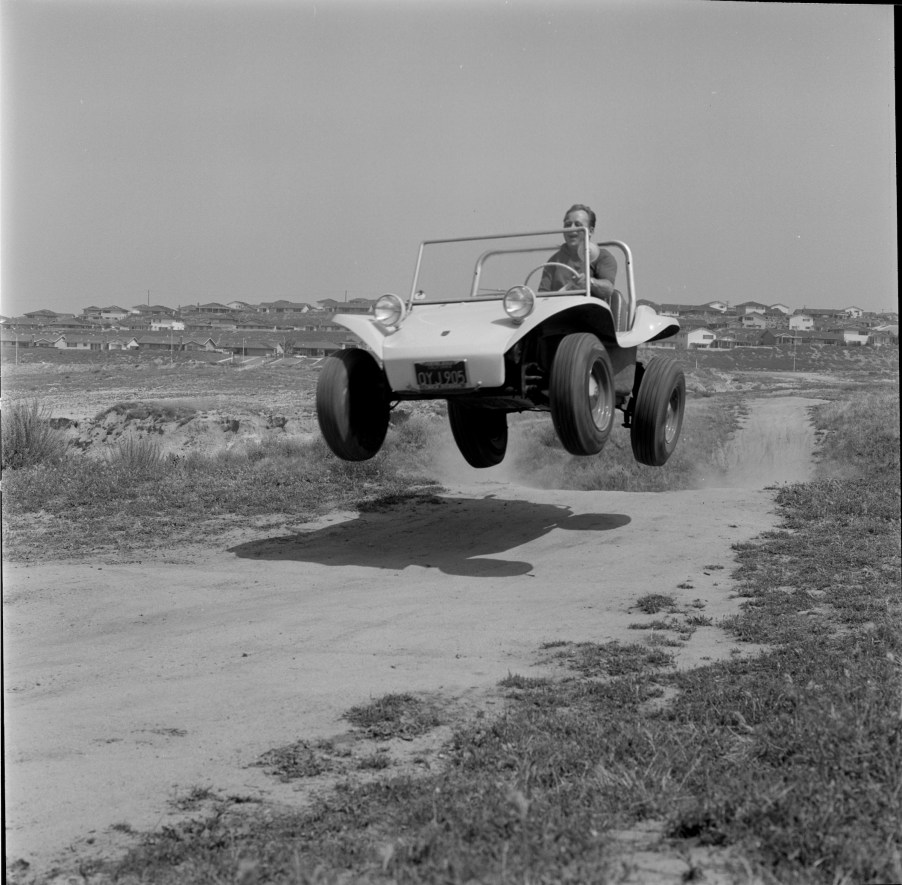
(441, 376)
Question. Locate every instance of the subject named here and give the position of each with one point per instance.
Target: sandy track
(127, 685)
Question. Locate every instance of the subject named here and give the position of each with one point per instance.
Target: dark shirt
(602, 268)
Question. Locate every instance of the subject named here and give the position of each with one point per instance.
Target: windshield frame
(618, 244)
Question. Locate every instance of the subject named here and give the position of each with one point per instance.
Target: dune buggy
(479, 331)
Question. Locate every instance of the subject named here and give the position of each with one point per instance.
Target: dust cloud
(774, 445)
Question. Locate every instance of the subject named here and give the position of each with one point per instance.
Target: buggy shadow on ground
(457, 536)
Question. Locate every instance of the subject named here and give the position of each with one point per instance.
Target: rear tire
(352, 404)
(658, 412)
(480, 434)
(582, 394)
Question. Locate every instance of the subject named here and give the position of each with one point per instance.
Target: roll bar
(617, 244)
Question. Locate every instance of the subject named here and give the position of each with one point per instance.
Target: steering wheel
(575, 273)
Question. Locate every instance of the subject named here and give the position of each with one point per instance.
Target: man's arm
(604, 272)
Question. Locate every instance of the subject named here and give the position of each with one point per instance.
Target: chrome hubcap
(600, 404)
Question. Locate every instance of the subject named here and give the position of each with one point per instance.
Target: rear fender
(648, 326)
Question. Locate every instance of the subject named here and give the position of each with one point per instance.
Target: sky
(182, 151)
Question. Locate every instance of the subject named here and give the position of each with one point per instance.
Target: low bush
(136, 455)
(28, 439)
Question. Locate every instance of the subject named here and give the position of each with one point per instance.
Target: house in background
(801, 322)
(113, 312)
(852, 335)
(822, 315)
(317, 348)
(853, 312)
(694, 339)
(753, 320)
(80, 341)
(283, 307)
(355, 305)
(162, 323)
(884, 337)
(153, 311)
(748, 307)
(44, 315)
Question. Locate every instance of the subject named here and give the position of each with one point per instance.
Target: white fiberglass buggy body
(479, 331)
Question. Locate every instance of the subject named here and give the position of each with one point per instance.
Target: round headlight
(389, 310)
(519, 302)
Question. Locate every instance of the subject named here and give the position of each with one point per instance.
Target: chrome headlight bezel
(389, 310)
(519, 302)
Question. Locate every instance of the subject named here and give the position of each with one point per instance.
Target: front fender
(371, 333)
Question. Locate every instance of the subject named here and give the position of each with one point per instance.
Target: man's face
(576, 218)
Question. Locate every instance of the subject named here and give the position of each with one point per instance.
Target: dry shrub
(136, 455)
(27, 437)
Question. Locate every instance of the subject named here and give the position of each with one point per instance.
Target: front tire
(658, 412)
(352, 404)
(582, 394)
(480, 434)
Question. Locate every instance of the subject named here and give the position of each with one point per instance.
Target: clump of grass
(192, 799)
(612, 659)
(28, 440)
(660, 624)
(298, 760)
(374, 762)
(662, 639)
(138, 455)
(652, 603)
(395, 715)
(516, 681)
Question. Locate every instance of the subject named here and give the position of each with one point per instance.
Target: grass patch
(28, 440)
(298, 760)
(136, 498)
(612, 659)
(661, 624)
(652, 603)
(516, 681)
(395, 715)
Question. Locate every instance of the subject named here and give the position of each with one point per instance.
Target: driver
(602, 265)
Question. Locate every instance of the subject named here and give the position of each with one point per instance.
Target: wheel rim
(672, 420)
(600, 405)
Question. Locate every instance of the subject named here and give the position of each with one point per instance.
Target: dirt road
(129, 685)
